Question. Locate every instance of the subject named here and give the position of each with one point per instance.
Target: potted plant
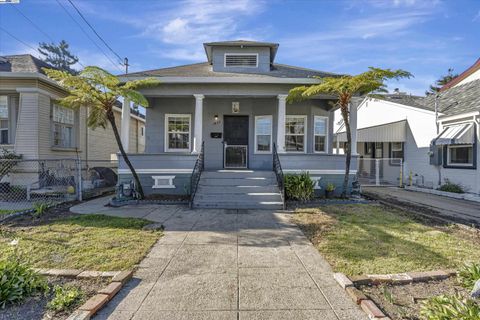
(329, 190)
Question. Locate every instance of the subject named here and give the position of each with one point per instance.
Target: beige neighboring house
(35, 126)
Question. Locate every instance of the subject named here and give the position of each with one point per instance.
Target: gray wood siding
(218, 59)
(26, 140)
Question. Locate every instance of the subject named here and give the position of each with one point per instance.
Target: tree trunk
(111, 119)
(348, 149)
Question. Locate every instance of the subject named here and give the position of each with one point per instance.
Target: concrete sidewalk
(228, 264)
(455, 210)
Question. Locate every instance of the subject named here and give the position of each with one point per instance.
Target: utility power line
(88, 36)
(95, 31)
(34, 24)
(19, 40)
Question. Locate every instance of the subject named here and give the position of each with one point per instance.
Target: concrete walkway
(227, 264)
(455, 210)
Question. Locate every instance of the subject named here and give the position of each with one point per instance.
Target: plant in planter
(299, 187)
(329, 190)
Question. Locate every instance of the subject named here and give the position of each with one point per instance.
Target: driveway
(455, 210)
(230, 264)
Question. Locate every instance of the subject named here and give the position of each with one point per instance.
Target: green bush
(40, 208)
(449, 308)
(469, 274)
(18, 281)
(65, 298)
(449, 186)
(299, 187)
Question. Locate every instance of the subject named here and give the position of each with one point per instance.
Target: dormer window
(241, 60)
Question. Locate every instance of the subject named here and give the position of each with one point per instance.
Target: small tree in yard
(344, 88)
(98, 90)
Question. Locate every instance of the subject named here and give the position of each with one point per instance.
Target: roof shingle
(22, 63)
(458, 100)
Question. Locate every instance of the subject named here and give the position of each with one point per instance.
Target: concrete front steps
(238, 189)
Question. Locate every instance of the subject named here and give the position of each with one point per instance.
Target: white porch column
(197, 137)
(282, 109)
(353, 127)
(125, 129)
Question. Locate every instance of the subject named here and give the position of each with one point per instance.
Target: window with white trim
(295, 133)
(460, 155)
(241, 60)
(178, 128)
(63, 127)
(263, 134)
(396, 153)
(320, 133)
(4, 123)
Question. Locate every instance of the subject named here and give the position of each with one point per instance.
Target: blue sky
(421, 36)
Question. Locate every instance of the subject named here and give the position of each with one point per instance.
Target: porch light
(215, 119)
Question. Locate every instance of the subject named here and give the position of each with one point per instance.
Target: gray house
(230, 113)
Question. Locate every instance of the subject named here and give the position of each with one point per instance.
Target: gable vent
(241, 60)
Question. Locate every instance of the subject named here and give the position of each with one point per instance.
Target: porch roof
(390, 132)
(456, 134)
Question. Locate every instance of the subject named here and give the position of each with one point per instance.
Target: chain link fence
(24, 184)
(380, 172)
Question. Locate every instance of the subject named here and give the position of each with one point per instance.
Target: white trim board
(318, 171)
(155, 171)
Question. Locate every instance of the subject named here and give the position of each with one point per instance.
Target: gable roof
(240, 43)
(205, 69)
(22, 63)
(475, 67)
(457, 100)
(406, 100)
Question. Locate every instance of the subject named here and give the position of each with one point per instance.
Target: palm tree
(344, 88)
(98, 90)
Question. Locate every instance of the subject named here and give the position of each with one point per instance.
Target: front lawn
(87, 242)
(373, 239)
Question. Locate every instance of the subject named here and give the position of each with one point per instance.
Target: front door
(235, 140)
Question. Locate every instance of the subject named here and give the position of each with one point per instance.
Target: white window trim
(453, 146)
(305, 130)
(72, 125)
(168, 115)
(326, 134)
(170, 184)
(7, 98)
(239, 54)
(271, 135)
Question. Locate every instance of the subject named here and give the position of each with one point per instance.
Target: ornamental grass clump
(18, 280)
(469, 274)
(450, 307)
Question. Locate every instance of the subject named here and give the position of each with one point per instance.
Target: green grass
(5, 211)
(88, 242)
(372, 239)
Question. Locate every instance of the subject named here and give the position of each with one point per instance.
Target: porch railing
(277, 168)
(197, 172)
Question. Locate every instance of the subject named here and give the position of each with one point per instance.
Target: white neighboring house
(455, 150)
(393, 126)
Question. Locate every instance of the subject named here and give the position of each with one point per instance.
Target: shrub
(18, 281)
(469, 274)
(330, 187)
(40, 208)
(65, 298)
(449, 308)
(449, 186)
(299, 187)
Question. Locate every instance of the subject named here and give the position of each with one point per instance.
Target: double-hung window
(177, 135)
(263, 134)
(63, 127)
(4, 125)
(320, 133)
(295, 130)
(460, 155)
(396, 153)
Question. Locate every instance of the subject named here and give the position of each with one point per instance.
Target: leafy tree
(58, 56)
(344, 88)
(98, 90)
(434, 88)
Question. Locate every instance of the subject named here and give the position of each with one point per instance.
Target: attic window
(241, 60)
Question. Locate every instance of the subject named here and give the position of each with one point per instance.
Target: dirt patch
(35, 307)
(404, 301)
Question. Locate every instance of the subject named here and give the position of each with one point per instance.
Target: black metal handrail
(277, 168)
(197, 172)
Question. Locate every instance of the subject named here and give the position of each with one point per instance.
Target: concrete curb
(460, 196)
(368, 306)
(98, 301)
